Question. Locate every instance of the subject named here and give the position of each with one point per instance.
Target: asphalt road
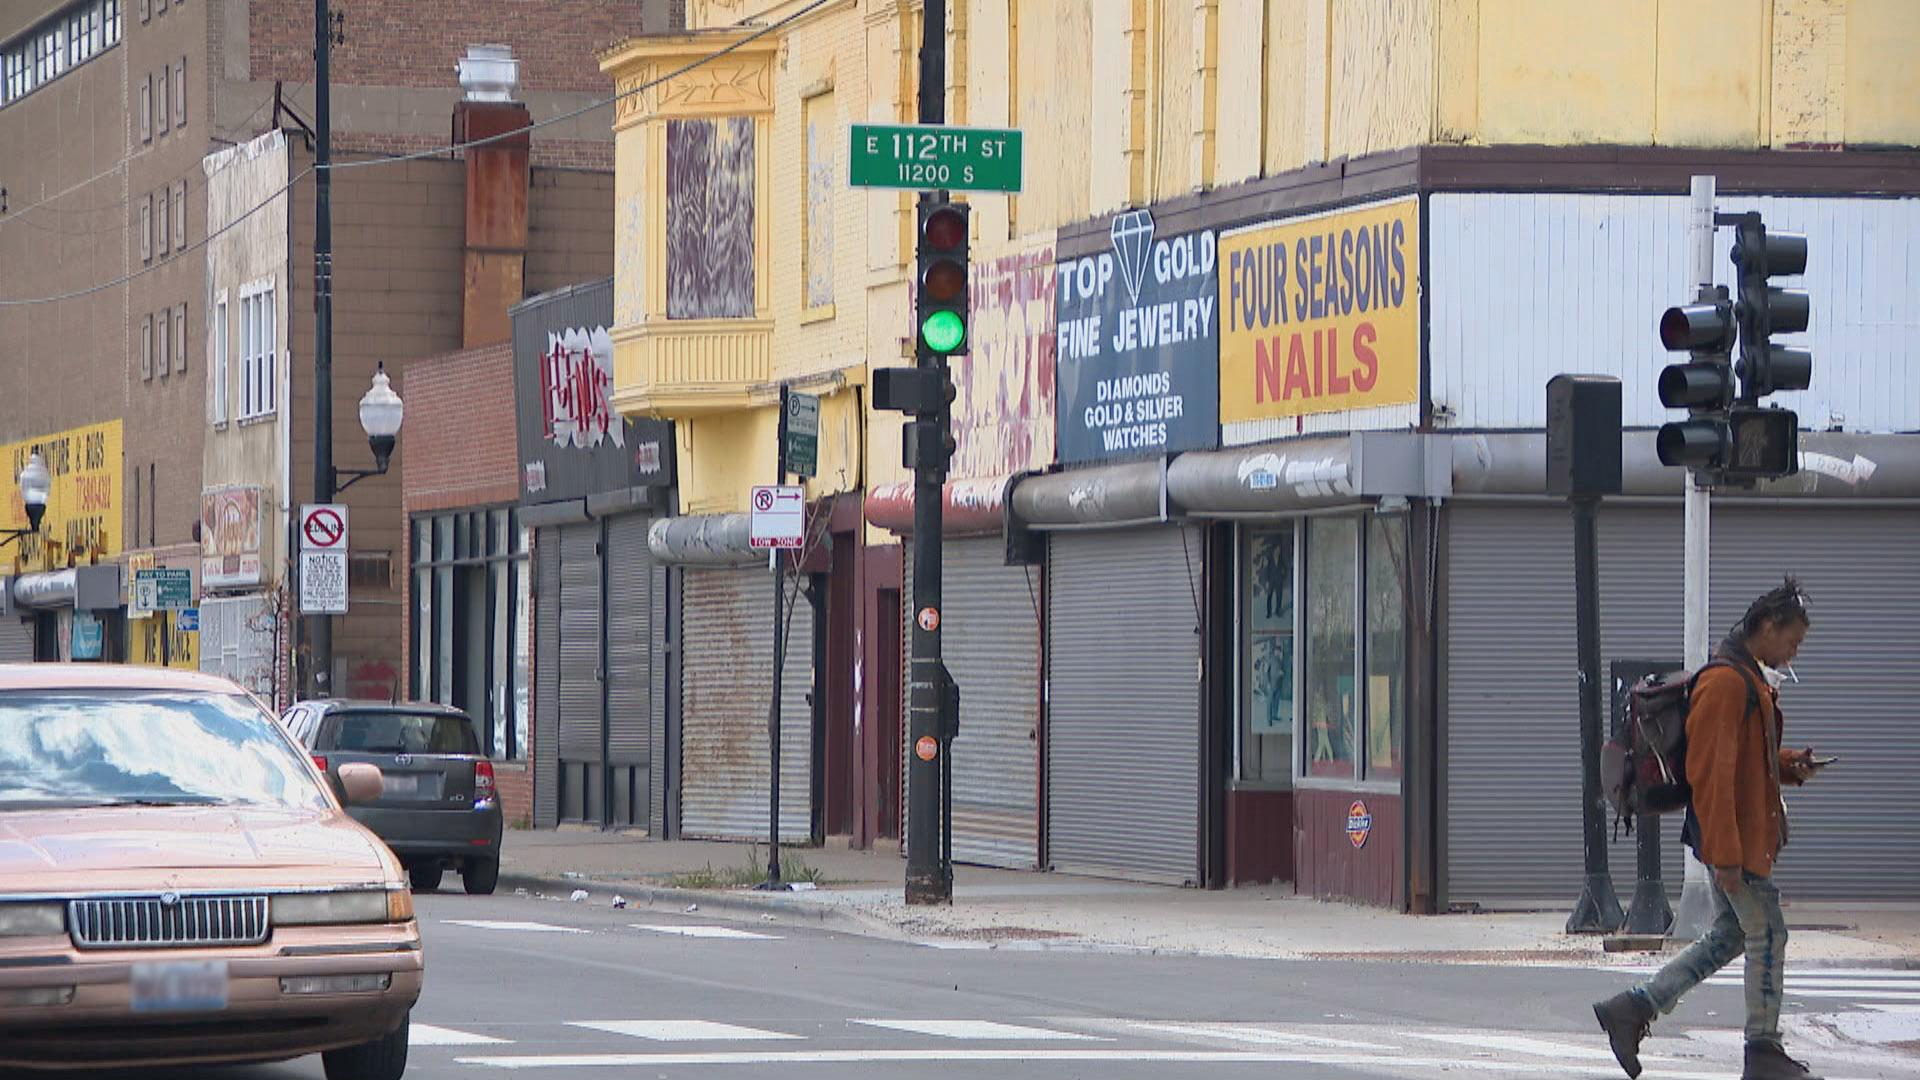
(550, 990)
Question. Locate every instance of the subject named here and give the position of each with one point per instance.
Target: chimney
(497, 178)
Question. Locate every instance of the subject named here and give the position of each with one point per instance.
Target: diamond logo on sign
(1132, 235)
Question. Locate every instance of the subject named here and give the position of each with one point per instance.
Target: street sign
(162, 589)
(323, 527)
(778, 519)
(187, 620)
(933, 157)
(323, 582)
(800, 449)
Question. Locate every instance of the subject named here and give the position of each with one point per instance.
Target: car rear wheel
(480, 876)
(426, 876)
(384, 1058)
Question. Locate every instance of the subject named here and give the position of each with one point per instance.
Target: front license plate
(180, 987)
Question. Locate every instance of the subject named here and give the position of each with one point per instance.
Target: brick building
(118, 118)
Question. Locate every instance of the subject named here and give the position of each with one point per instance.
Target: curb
(640, 894)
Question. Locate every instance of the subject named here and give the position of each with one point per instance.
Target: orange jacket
(1736, 765)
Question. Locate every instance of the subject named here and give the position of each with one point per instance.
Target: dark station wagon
(440, 808)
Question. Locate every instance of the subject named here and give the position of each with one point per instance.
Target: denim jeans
(1749, 921)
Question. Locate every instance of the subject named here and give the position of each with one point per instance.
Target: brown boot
(1626, 1018)
(1769, 1061)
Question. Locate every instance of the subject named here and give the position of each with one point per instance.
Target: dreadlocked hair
(1780, 606)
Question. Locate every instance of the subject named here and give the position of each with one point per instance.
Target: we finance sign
(1321, 314)
(1138, 349)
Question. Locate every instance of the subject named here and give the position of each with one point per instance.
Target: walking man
(1736, 825)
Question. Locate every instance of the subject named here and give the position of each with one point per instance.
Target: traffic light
(1765, 310)
(1703, 385)
(1764, 443)
(941, 304)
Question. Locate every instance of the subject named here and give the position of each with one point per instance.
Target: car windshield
(404, 733)
(146, 748)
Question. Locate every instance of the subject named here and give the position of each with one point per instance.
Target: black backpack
(1643, 769)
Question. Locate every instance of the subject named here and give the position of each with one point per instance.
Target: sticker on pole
(927, 748)
(778, 519)
(929, 619)
(1359, 824)
(323, 527)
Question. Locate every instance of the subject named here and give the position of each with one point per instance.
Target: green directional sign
(800, 445)
(934, 157)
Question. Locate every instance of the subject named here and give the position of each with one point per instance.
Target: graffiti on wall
(1003, 411)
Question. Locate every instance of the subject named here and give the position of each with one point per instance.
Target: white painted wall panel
(1508, 273)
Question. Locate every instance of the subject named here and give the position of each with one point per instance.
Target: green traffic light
(943, 331)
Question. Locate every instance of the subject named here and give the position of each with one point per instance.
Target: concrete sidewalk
(861, 891)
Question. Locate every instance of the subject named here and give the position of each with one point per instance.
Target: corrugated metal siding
(657, 719)
(991, 645)
(1123, 721)
(581, 702)
(630, 571)
(1591, 273)
(1512, 746)
(546, 679)
(728, 665)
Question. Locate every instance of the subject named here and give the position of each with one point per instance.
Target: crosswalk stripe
(1248, 1033)
(430, 1035)
(722, 932)
(521, 927)
(978, 1030)
(1856, 985)
(1517, 1044)
(681, 1030)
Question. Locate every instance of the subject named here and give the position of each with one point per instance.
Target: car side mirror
(361, 782)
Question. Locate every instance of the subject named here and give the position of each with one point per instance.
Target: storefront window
(1386, 645)
(1331, 715)
(1267, 698)
(470, 600)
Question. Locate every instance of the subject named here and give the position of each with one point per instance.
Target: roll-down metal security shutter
(1123, 720)
(990, 640)
(581, 696)
(16, 641)
(632, 579)
(546, 679)
(727, 625)
(1511, 772)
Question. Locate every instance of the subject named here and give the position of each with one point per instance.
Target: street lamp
(36, 483)
(380, 414)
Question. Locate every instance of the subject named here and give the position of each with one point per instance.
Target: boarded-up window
(710, 183)
(146, 109)
(180, 93)
(820, 195)
(180, 215)
(180, 339)
(146, 347)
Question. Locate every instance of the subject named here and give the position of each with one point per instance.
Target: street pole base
(773, 885)
(929, 889)
(1649, 913)
(1598, 911)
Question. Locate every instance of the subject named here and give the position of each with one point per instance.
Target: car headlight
(32, 920)
(342, 908)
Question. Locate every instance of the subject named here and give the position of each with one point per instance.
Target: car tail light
(320, 760)
(482, 781)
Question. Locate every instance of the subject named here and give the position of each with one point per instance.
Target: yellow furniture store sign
(83, 509)
(1321, 313)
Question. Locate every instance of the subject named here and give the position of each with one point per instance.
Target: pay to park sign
(1321, 313)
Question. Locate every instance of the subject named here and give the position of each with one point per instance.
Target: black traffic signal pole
(1598, 910)
(929, 874)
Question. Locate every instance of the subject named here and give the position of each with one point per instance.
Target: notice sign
(323, 582)
(1138, 347)
(1321, 314)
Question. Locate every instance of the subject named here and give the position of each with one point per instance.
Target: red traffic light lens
(946, 228)
(946, 281)
(1697, 326)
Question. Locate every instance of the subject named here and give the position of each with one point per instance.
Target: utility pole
(1696, 897)
(320, 627)
(929, 876)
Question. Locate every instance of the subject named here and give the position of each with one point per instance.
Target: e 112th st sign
(933, 157)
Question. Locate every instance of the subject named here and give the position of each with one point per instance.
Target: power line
(145, 270)
(584, 109)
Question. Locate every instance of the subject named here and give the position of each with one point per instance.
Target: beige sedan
(178, 885)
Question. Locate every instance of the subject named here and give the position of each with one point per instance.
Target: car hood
(185, 848)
